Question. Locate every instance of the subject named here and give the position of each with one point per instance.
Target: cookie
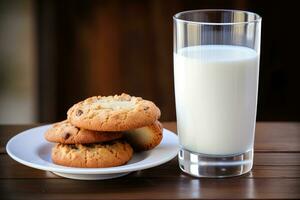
(113, 113)
(100, 155)
(64, 132)
(145, 138)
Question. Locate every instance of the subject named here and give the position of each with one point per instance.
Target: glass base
(202, 165)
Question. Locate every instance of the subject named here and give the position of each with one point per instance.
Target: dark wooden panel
(106, 47)
(266, 165)
(276, 136)
(46, 49)
(274, 176)
(277, 159)
(182, 187)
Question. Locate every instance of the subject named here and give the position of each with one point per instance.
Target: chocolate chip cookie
(66, 133)
(110, 154)
(113, 113)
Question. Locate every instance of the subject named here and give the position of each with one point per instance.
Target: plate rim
(74, 170)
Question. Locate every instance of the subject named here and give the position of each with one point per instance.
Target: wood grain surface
(276, 174)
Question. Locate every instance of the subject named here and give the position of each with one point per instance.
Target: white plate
(31, 149)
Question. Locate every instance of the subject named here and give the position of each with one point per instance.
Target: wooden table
(276, 174)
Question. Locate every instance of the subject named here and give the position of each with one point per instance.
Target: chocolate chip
(67, 135)
(73, 146)
(79, 112)
(146, 108)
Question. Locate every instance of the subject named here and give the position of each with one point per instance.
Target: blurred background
(55, 53)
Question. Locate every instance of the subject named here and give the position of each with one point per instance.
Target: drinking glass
(216, 69)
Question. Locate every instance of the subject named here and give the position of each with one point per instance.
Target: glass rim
(177, 18)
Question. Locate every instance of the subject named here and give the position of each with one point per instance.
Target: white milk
(216, 96)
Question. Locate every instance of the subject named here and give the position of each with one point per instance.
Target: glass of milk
(216, 68)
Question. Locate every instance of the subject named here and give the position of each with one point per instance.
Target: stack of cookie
(105, 131)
